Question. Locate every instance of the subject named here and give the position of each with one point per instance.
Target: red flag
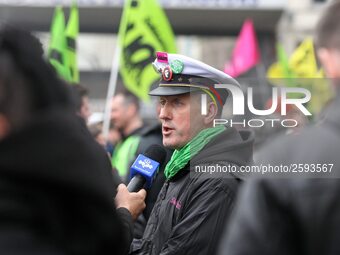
(246, 53)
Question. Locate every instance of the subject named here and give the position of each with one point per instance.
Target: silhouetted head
(28, 84)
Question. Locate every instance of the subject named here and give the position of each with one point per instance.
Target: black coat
(191, 208)
(149, 135)
(56, 191)
(293, 215)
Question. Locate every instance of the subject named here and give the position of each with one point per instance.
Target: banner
(279, 73)
(303, 61)
(57, 52)
(301, 64)
(144, 29)
(301, 70)
(72, 32)
(246, 53)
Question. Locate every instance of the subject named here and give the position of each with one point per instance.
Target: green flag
(144, 29)
(283, 61)
(57, 54)
(72, 31)
(279, 73)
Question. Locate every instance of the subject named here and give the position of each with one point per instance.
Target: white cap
(181, 74)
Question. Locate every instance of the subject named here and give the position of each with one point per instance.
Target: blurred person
(97, 133)
(191, 208)
(95, 125)
(136, 138)
(297, 215)
(292, 112)
(125, 117)
(56, 184)
(113, 139)
(81, 100)
(114, 135)
(267, 133)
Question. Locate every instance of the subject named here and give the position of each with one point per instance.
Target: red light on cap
(162, 57)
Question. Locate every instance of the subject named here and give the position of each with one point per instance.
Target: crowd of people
(64, 185)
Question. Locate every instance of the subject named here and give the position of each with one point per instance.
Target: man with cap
(191, 208)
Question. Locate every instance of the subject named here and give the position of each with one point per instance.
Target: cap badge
(167, 73)
(177, 66)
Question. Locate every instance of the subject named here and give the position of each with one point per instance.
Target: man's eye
(162, 102)
(178, 102)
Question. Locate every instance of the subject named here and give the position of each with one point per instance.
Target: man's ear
(211, 113)
(4, 126)
(330, 60)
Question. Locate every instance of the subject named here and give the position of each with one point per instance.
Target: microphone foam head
(147, 164)
(156, 153)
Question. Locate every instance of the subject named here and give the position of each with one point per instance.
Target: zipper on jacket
(164, 190)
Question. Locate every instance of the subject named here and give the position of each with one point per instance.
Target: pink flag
(246, 53)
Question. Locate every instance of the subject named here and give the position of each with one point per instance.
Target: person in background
(136, 138)
(113, 139)
(97, 133)
(57, 191)
(268, 132)
(299, 214)
(81, 101)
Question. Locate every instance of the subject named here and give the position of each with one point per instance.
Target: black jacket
(293, 215)
(191, 208)
(152, 134)
(57, 191)
(149, 135)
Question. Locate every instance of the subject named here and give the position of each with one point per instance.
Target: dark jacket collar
(231, 146)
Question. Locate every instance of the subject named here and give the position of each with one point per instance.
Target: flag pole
(111, 88)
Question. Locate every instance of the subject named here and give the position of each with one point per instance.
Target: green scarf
(181, 157)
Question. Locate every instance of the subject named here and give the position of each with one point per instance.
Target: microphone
(145, 168)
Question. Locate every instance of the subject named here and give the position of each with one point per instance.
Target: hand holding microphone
(143, 172)
(134, 202)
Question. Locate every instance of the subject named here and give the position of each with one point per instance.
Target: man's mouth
(167, 130)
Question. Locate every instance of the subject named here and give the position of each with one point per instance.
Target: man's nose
(165, 112)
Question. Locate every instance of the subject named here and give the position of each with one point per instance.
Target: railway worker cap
(181, 74)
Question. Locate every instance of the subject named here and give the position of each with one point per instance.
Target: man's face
(119, 114)
(330, 60)
(177, 126)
